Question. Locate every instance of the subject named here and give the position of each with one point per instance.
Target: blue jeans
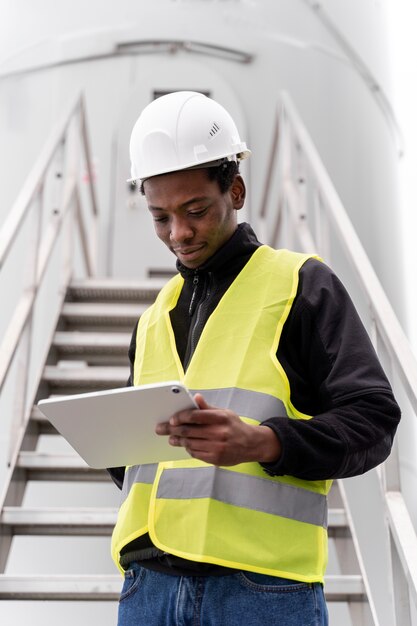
(242, 599)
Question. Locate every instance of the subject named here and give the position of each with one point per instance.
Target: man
(291, 395)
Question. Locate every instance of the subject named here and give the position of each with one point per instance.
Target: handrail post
(321, 231)
(91, 255)
(269, 175)
(87, 155)
(287, 168)
(21, 394)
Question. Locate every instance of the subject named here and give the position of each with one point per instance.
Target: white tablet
(116, 427)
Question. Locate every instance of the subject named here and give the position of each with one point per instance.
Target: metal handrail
(13, 224)
(382, 311)
(291, 142)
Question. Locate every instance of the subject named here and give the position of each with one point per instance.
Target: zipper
(194, 294)
(200, 307)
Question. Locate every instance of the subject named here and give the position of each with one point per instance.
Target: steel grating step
(337, 523)
(60, 587)
(116, 290)
(59, 521)
(99, 314)
(42, 425)
(57, 467)
(91, 521)
(79, 343)
(71, 467)
(108, 587)
(347, 588)
(85, 377)
(93, 347)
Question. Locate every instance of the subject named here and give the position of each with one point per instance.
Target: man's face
(191, 215)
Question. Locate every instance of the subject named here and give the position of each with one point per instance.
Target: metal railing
(301, 207)
(39, 253)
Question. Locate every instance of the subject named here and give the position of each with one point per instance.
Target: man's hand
(219, 436)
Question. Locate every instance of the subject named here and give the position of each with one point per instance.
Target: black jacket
(332, 368)
(331, 365)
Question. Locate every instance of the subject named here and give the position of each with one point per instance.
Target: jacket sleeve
(335, 376)
(117, 473)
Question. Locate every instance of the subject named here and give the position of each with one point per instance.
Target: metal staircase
(89, 352)
(68, 332)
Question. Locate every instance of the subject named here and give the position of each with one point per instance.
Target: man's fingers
(202, 404)
(198, 429)
(193, 415)
(192, 445)
(163, 428)
(197, 416)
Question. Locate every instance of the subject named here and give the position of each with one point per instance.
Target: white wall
(292, 50)
(401, 18)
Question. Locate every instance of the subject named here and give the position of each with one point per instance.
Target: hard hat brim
(245, 154)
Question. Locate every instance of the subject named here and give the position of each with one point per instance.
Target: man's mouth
(189, 250)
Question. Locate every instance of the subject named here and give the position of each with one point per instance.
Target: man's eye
(160, 219)
(197, 213)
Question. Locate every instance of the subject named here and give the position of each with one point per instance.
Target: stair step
(116, 290)
(43, 466)
(74, 377)
(88, 521)
(107, 587)
(59, 521)
(95, 348)
(162, 273)
(76, 342)
(56, 467)
(102, 315)
(348, 588)
(43, 426)
(338, 524)
(60, 587)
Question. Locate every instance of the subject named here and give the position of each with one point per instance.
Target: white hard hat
(182, 130)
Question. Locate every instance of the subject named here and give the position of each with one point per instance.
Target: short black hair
(224, 174)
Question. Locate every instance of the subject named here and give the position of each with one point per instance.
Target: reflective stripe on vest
(253, 404)
(138, 474)
(237, 517)
(250, 492)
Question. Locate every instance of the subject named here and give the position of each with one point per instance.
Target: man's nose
(180, 230)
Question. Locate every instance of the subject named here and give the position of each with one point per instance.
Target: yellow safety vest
(237, 516)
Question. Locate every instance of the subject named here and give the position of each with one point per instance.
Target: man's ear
(238, 192)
